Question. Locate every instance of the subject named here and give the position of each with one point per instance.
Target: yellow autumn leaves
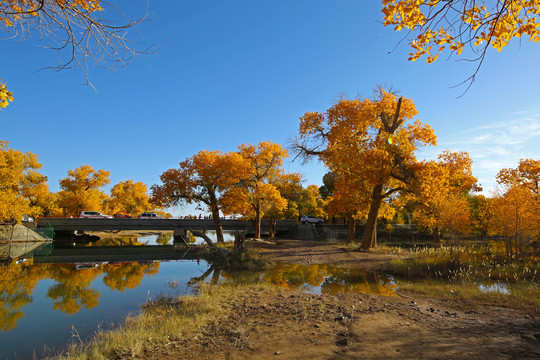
(11, 11)
(457, 23)
(249, 183)
(5, 96)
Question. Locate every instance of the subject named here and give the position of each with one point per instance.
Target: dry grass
(160, 322)
(465, 262)
(458, 273)
(523, 296)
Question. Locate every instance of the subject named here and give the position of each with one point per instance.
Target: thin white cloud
(494, 146)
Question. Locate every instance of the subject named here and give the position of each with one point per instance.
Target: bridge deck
(85, 224)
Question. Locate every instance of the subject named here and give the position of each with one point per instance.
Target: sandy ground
(289, 324)
(321, 252)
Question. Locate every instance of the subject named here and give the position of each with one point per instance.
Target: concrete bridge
(178, 226)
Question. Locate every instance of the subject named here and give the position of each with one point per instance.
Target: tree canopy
(440, 194)
(20, 183)
(452, 25)
(369, 147)
(258, 192)
(202, 178)
(515, 208)
(130, 197)
(82, 190)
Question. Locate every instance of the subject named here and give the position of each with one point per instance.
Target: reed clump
(466, 262)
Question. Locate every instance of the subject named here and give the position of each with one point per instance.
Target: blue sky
(232, 72)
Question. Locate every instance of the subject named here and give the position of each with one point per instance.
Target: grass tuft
(159, 322)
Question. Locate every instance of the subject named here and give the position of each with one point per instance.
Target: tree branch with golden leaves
(78, 29)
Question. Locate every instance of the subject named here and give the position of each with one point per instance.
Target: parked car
(311, 219)
(94, 215)
(150, 215)
(122, 215)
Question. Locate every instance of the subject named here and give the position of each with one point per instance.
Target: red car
(122, 215)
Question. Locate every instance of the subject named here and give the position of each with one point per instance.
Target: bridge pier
(179, 238)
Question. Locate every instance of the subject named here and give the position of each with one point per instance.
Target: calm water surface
(49, 305)
(44, 306)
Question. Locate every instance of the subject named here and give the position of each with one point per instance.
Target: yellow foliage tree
(370, 148)
(82, 190)
(450, 25)
(442, 187)
(526, 175)
(515, 209)
(312, 203)
(258, 193)
(130, 197)
(290, 189)
(203, 178)
(20, 183)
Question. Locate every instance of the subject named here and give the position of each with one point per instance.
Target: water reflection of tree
(330, 279)
(284, 275)
(295, 276)
(127, 275)
(214, 279)
(73, 291)
(117, 241)
(17, 283)
(351, 280)
(164, 238)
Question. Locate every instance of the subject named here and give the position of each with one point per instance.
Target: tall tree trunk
(351, 230)
(436, 236)
(258, 219)
(272, 228)
(217, 225)
(370, 235)
(214, 208)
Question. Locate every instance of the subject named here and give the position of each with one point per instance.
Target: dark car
(122, 215)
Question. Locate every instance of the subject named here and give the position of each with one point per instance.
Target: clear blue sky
(232, 72)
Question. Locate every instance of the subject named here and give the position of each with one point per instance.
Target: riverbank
(263, 321)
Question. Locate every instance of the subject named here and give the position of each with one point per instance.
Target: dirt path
(321, 252)
(289, 324)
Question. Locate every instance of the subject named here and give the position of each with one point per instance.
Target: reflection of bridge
(178, 226)
(97, 254)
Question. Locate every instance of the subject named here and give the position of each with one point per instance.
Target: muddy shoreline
(289, 324)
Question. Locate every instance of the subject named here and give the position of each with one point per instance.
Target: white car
(94, 215)
(311, 219)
